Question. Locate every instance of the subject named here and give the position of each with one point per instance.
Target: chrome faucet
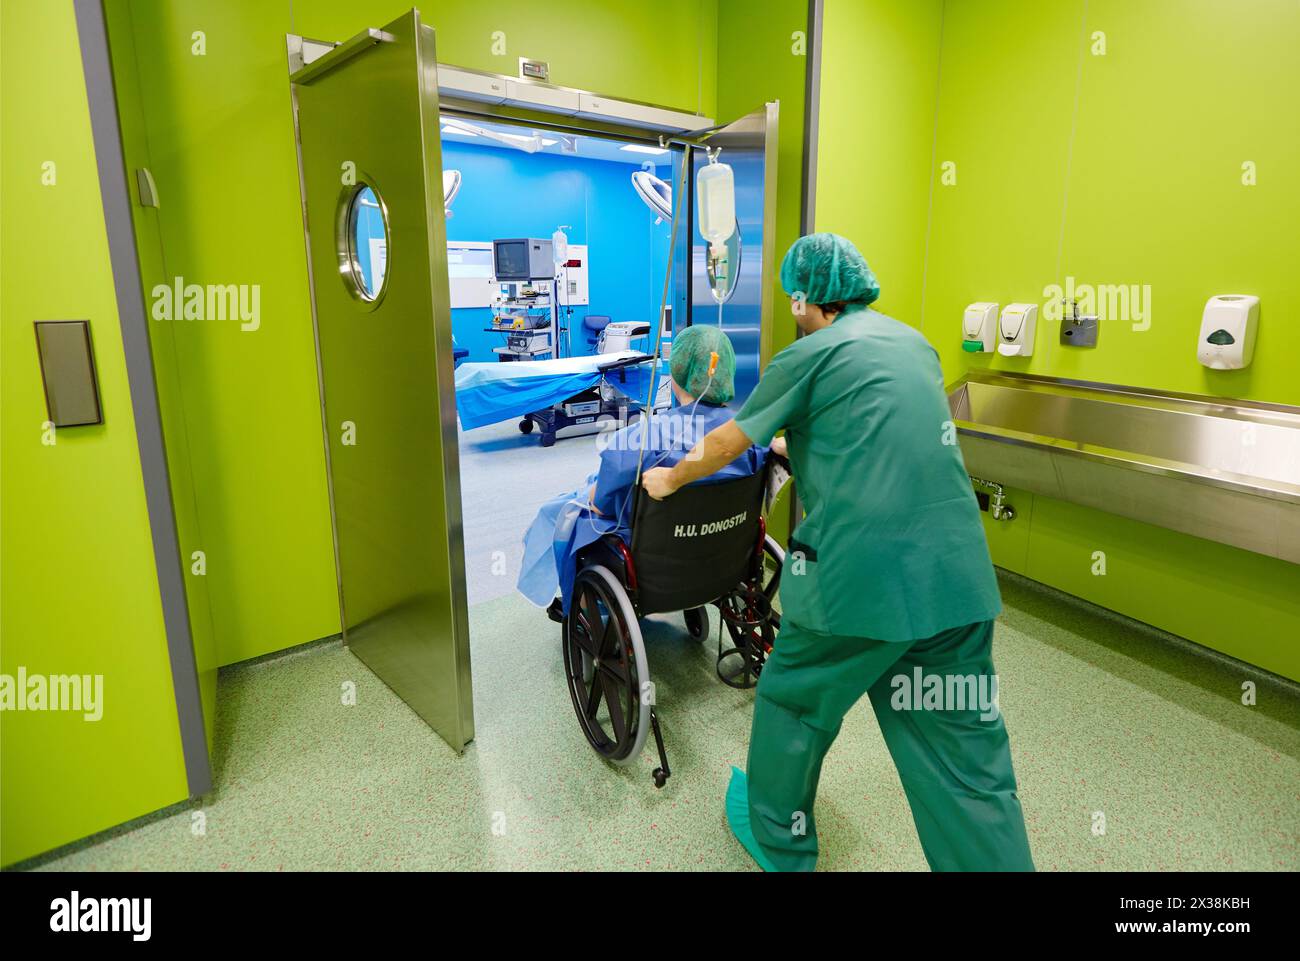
(999, 509)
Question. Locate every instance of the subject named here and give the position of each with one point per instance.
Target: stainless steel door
(749, 145)
(367, 121)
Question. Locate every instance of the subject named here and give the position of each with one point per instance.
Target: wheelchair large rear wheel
(605, 666)
(752, 620)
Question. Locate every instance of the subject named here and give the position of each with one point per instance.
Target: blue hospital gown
(566, 524)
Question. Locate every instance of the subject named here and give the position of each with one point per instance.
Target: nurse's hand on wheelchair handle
(658, 482)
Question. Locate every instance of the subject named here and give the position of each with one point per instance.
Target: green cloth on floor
(738, 818)
(955, 764)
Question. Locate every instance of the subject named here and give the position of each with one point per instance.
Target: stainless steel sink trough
(1225, 470)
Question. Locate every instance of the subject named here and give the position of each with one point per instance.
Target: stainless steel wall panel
(1221, 469)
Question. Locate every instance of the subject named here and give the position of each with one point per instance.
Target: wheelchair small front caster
(697, 622)
(526, 425)
(660, 776)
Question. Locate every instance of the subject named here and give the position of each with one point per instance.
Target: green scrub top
(891, 547)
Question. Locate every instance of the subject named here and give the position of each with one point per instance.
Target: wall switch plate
(68, 371)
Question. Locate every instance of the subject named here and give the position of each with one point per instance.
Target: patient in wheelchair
(703, 369)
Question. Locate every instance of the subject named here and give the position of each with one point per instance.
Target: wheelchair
(707, 545)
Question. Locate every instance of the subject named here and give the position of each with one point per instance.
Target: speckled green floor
(1104, 716)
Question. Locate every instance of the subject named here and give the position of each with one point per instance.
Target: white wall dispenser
(978, 327)
(1228, 328)
(1016, 328)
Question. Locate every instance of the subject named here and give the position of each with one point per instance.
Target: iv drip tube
(663, 305)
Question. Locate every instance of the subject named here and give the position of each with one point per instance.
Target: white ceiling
(553, 142)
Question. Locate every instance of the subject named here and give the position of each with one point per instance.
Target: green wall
(1122, 168)
(78, 584)
(880, 77)
(604, 47)
(167, 375)
(217, 132)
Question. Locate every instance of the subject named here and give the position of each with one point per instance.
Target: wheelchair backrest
(696, 545)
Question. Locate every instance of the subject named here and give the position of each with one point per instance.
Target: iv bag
(716, 187)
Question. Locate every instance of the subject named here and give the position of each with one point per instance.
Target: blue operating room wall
(509, 193)
(369, 228)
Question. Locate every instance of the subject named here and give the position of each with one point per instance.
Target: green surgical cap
(827, 269)
(689, 363)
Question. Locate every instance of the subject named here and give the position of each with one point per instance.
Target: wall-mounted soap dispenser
(1228, 328)
(1016, 328)
(978, 328)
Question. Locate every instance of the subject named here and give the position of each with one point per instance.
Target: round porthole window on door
(363, 247)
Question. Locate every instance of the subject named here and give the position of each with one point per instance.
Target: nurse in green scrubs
(887, 588)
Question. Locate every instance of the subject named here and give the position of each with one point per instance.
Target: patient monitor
(526, 258)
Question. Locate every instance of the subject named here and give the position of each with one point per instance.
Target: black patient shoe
(556, 611)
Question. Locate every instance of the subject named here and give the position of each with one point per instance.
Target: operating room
(588, 365)
(603, 254)
(596, 213)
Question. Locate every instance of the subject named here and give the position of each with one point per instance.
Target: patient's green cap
(692, 350)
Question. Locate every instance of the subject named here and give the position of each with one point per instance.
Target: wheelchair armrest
(610, 552)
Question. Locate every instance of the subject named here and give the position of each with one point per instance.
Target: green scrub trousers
(955, 766)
